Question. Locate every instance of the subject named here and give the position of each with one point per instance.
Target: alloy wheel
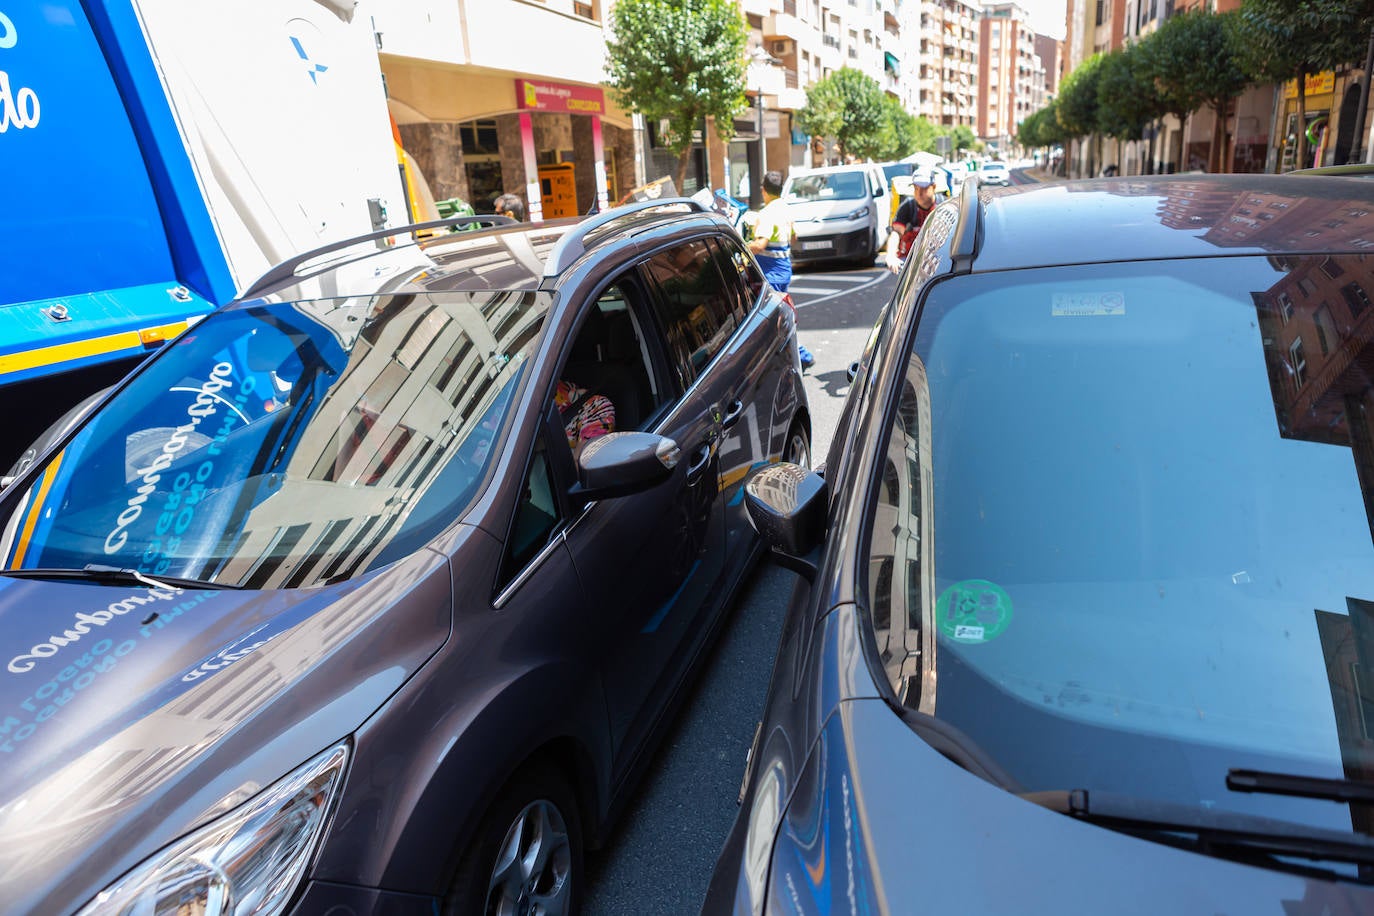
(532, 875)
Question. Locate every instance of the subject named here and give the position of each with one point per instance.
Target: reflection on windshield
(835, 186)
(287, 445)
(1152, 491)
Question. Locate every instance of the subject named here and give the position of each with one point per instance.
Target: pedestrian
(510, 205)
(911, 215)
(772, 244)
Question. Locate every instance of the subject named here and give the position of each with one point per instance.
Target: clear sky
(1046, 16)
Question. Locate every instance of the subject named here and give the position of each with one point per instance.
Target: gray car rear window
(287, 445)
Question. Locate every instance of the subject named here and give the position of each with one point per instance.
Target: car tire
(797, 448)
(528, 850)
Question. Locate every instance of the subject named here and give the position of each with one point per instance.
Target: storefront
(1319, 94)
(476, 134)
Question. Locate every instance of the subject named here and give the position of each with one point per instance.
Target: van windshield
(831, 186)
(286, 445)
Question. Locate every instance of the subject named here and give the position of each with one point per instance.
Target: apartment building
(1011, 75)
(795, 44)
(947, 62)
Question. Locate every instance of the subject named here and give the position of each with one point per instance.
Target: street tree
(1126, 97)
(679, 62)
(901, 133)
(1077, 108)
(1284, 40)
(848, 106)
(961, 137)
(1196, 64)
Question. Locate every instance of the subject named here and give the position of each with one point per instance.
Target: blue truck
(157, 156)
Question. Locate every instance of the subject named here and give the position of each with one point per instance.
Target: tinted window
(743, 277)
(1149, 559)
(536, 515)
(287, 445)
(696, 304)
(831, 186)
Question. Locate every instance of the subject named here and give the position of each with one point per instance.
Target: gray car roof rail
(964, 246)
(575, 241)
(286, 270)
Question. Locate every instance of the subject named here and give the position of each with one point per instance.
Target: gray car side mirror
(787, 505)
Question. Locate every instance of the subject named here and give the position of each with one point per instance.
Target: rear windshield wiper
(1341, 790)
(1213, 831)
(94, 572)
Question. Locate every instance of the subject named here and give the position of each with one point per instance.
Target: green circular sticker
(973, 611)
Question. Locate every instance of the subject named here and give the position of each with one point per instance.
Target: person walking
(911, 216)
(772, 244)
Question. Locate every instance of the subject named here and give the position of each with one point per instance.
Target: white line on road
(797, 289)
(838, 278)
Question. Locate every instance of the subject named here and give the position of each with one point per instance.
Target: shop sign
(542, 95)
(1317, 84)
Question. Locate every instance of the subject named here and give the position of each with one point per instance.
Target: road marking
(839, 292)
(838, 278)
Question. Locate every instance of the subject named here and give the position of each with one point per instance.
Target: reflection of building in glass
(1264, 219)
(417, 383)
(1317, 328)
(1348, 646)
(901, 567)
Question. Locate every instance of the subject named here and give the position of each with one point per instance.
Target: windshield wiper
(113, 574)
(1341, 790)
(1213, 832)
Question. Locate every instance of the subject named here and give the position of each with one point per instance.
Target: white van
(839, 212)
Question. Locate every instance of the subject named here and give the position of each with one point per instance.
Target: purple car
(371, 591)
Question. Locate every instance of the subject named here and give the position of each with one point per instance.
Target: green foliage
(901, 131)
(1041, 128)
(1195, 61)
(679, 61)
(849, 106)
(961, 137)
(1126, 96)
(1281, 38)
(1077, 108)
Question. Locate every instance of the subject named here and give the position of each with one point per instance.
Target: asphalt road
(661, 857)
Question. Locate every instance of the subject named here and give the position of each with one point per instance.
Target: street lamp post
(758, 59)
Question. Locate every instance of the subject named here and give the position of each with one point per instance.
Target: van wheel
(527, 855)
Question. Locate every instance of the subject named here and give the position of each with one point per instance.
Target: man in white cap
(911, 215)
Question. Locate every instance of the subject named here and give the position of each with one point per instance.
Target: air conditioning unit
(781, 47)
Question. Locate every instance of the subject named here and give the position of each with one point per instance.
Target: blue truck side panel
(195, 247)
(104, 217)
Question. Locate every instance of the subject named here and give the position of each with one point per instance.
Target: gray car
(1086, 608)
(341, 604)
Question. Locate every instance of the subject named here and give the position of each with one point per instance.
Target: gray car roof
(1177, 216)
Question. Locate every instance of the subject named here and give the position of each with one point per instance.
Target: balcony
(787, 25)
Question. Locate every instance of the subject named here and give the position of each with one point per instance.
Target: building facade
(507, 96)
(1011, 75)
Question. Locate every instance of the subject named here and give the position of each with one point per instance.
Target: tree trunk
(1217, 155)
(683, 158)
(1178, 145)
(1301, 161)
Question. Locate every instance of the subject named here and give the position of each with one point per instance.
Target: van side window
(696, 306)
(536, 516)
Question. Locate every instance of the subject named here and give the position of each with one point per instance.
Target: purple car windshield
(286, 445)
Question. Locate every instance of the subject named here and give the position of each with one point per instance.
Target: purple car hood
(129, 715)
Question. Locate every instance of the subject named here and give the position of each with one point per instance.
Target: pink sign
(541, 95)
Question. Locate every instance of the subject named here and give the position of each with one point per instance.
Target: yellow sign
(1317, 84)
